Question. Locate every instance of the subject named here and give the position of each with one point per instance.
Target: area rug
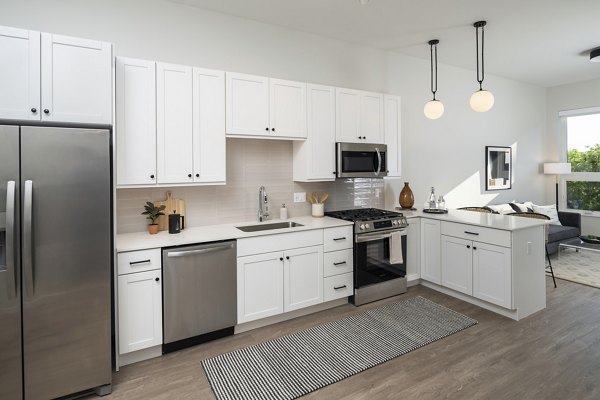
(580, 267)
(293, 365)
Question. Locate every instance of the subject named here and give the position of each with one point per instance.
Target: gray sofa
(569, 230)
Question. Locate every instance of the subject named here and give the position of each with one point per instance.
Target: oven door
(361, 160)
(373, 258)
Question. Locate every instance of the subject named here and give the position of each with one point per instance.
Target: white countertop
(496, 221)
(211, 233)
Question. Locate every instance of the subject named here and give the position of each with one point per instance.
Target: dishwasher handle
(185, 253)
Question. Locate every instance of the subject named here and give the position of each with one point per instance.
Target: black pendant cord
(481, 25)
(433, 53)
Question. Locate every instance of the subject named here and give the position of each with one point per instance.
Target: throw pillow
(521, 207)
(502, 208)
(549, 211)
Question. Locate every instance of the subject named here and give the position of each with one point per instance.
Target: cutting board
(171, 204)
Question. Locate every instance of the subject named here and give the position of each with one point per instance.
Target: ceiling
(543, 42)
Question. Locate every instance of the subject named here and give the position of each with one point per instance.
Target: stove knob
(367, 226)
(394, 222)
(362, 227)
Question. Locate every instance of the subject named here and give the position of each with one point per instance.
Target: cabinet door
(140, 311)
(247, 105)
(260, 286)
(209, 125)
(457, 264)
(430, 251)
(492, 274)
(413, 250)
(392, 134)
(76, 80)
(19, 74)
(174, 123)
(371, 117)
(303, 278)
(136, 121)
(347, 115)
(287, 111)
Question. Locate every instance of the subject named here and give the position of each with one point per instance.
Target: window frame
(563, 150)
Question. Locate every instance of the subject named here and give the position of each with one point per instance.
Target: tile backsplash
(251, 163)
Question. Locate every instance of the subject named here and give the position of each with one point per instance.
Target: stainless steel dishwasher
(199, 293)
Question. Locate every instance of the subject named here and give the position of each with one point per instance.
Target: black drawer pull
(157, 279)
(474, 248)
(139, 262)
(472, 233)
(339, 287)
(339, 263)
(342, 238)
(468, 247)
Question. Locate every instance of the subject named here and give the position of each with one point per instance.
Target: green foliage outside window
(584, 195)
(585, 161)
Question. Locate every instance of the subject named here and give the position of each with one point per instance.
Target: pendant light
(481, 100)
(434, 108)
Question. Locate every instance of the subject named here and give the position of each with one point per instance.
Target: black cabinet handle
(339, 263)
(157, 279)
(139, 262)
(273, 129)
(474, 248)
(46, 111)
(360, 137)
(339, 287)
(189, 175)
(468, 247)
(472, 233)
(267, 129)
(197, 175)
(280, 258)
(34, 110)
(287, 257)
(151, 176)
(333, 172)
(342, 238)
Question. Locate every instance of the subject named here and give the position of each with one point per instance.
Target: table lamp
(557, 169)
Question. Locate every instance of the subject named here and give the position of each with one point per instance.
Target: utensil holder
(318, 210)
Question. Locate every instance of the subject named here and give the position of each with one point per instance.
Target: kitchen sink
(267, 227)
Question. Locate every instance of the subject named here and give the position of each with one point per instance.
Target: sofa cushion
(550, 211)
(521, 207)
(502, 208)
(560, 232)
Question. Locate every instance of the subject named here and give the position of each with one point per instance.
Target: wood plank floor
(553, 354)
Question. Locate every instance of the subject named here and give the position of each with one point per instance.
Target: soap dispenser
(283, 212)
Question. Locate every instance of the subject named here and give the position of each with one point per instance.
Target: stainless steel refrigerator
(55, 261)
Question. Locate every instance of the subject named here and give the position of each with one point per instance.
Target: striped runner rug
(293, 365)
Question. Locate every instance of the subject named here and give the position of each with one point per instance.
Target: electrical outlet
(300, 197)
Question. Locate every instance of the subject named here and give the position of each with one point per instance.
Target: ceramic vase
(407, 199)
(318, 210)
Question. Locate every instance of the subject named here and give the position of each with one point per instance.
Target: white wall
(449, 153)
(561, 98)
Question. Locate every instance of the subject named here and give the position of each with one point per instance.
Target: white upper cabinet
(371, 117)
(174, 123)
(76, 80)
(136, 121)
(314, 158)
(247, 107)
(287, 111)
(359, 116)
(347, 115)
(258, 106)
(393, 134)
(209, 126)
(19, 74)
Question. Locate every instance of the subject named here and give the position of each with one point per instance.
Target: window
(581, 141)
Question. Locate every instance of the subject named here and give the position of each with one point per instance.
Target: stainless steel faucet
(263, 207)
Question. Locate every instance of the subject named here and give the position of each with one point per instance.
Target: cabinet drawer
(138, 261)
(477, 233)
(338, 262)
(338, 286)
(338, 238)
(279, 242)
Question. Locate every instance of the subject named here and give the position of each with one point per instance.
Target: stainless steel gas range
(379, 252)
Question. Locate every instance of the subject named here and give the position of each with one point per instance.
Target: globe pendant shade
(482, 101)
(433, 109)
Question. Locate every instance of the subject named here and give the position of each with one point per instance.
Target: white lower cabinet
(260, 286)
(492, 274)
(140, 310)
(338, 286)
(457, 264)
(302, 278)
(431, 268)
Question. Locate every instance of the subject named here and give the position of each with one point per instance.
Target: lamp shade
(482, 101)
(557, 168)
(433, 109)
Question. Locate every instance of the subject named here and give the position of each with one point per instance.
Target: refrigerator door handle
(10, 240)
(28, 237)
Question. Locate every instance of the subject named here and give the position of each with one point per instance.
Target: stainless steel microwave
(361, 160)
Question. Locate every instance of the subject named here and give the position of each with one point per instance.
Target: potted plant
(152, 213)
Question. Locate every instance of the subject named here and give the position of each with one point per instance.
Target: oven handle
(369, 237)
